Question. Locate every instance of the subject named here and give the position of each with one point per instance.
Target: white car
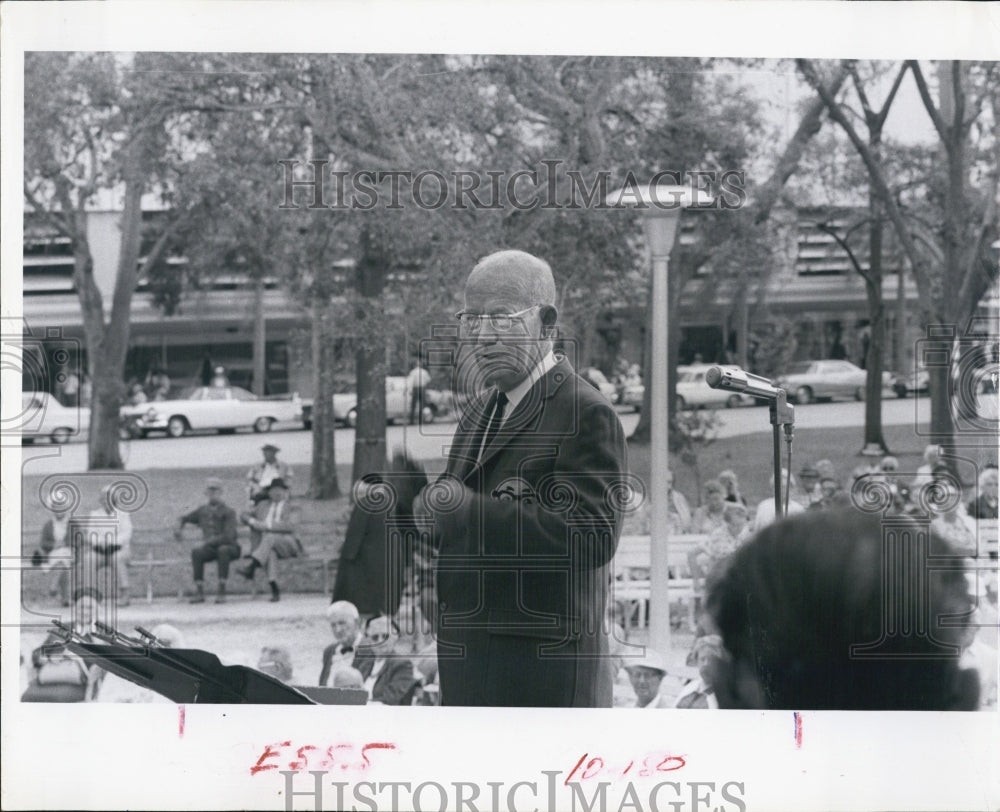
(694, 393)
(222, 408)
(808, 381)
(42, 416)
(397, 404)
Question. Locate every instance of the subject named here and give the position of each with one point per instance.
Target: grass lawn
(176, 491)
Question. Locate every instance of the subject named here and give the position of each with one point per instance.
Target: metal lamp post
(661, 207)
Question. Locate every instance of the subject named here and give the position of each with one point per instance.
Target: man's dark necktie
(499, 403)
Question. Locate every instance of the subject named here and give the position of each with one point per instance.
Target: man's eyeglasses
(378, 637)
(472, 323)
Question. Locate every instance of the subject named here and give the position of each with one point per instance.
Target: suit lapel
(463, 456)
(528, 413)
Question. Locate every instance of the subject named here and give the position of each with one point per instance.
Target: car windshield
(799, 367)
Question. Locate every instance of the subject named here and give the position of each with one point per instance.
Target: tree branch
(925, 96)
(883, 114)
(830, 230)
(810, 124)
(61, 224)
(872, 165)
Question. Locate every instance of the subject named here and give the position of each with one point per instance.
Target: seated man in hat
(218, 529)
(272, 535)
(646, 675)
(263, 473)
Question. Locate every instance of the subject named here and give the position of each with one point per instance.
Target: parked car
(597, 379)
(694, 393)
(42, 416)
(397, 404)
(223, 408)
(808, 381)
(916, 382)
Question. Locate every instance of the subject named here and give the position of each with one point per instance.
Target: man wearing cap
(272, 535)
(646, 675)
(263, 473)
(218, 529)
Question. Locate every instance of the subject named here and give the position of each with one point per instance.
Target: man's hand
(446, 495)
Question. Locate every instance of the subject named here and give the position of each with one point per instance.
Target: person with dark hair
(794, 603)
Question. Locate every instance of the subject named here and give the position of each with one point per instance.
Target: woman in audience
(732, 486)
(948, 516)
(709, 515)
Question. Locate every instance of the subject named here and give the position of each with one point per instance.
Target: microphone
(734, 379)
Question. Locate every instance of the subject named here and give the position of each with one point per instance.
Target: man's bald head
(516, 284)
(523, 279)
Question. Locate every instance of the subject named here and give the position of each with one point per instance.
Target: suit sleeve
(394, 684)
(324, 672)
(577, 501)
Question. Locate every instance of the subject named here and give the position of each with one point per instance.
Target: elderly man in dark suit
(528, 510)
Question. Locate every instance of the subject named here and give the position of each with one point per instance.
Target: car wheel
(60, 436)
(307, 425)
(859, 393)
(900, 391)
(681, 403)
(803, 395)
(352, 418)
(176, 427)
(733, 401)
(262, 424)
(124, 433)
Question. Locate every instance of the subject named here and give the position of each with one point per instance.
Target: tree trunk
(899, 360)
(323, 482)
(942, 425)
(107, 342)
(259, 337)
(370, 364)
(874, 438)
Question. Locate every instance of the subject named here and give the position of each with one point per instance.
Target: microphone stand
(782, 415)
(734, 379)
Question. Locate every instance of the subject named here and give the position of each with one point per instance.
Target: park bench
(630, 586)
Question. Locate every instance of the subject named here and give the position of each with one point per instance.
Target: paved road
(243, 449)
